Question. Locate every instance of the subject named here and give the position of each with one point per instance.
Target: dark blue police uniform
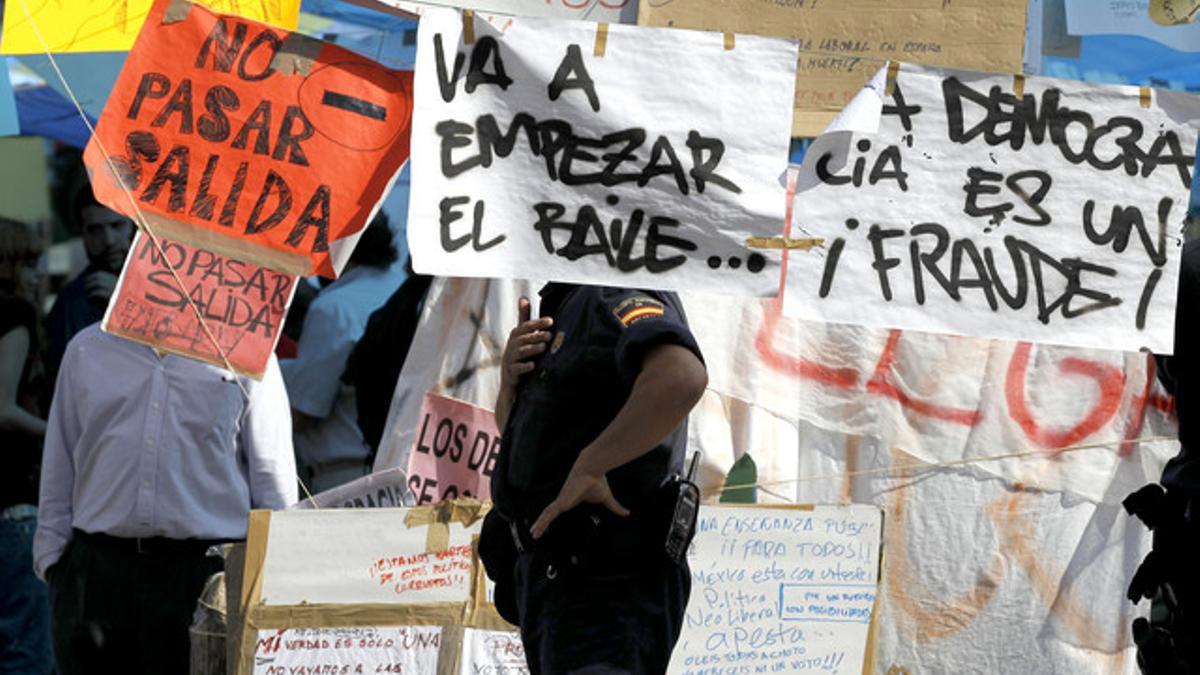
(597, 593)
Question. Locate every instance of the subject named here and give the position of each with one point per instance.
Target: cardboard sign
(549, 149)
(454, 452)
(842, 43)
(781, 590)
(243, 305)
(1050, 216)
(110, 25)
(348, 649)
(249, 140)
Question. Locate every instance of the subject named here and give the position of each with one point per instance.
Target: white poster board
(349, 649)
(780, 590)
(377, 559)
(381, 489)
(613, 155)
(606, 11)
(1054, 217)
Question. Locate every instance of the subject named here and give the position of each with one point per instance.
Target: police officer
(593, 402)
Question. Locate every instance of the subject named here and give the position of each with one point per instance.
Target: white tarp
(620, 155)
(1128, 17)
(1015, 566)
(1055, 217)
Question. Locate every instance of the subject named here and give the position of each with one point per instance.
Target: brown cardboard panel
(843, 43)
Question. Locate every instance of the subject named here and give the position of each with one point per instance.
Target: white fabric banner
(1025, 560)
(629, 156)
(1055, 217)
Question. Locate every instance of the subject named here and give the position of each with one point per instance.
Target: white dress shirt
(334, 323)
(139, 445)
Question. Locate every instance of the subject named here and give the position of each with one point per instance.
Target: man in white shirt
(149, 460)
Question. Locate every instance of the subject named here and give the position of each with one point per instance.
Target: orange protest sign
(248, 140)
(243, 304)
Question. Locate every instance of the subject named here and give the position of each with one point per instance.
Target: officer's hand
(580, 487)
(525, 341)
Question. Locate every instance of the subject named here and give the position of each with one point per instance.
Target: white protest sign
(378, 559)
(599, 154)
(1051, 217)
(606, 11)
(1129, 17)
(357, 649)
(381, 489)
(780, 590)
(492, 652)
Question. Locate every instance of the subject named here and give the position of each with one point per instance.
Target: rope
(928, 466)
(140, 217)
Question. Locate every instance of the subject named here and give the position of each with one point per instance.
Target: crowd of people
(123, 465)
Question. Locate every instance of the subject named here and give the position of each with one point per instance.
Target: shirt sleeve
(55, 508)
(314, 377)
(645, 319)
(267, 441)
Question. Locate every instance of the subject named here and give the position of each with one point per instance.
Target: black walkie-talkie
(683, 521)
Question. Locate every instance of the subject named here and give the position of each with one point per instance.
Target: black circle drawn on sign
(324, 75)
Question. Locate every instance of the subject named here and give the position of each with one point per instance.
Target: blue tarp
(45, 112)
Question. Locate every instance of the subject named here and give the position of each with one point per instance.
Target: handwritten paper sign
(780, 590)
(382, 489)
(1050, 217)
(377, 559)
(492, 652)
(550, 149)
(243, 305)
(842, 43)
(357, 649)
(110, 25)
(454, 453)
(250, 140)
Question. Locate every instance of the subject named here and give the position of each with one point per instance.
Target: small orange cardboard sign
(243, 305)
(250, 140)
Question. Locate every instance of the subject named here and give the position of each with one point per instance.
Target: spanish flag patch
(635, 309)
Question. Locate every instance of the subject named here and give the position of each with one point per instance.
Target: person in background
(149, 460)
(329, 445)
(375, 364)
(106, 237)
(24, 608)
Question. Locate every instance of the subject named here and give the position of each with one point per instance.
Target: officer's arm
(670, 383)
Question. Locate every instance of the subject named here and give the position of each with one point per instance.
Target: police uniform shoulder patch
(632, 310)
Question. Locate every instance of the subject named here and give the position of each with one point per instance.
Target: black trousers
(117, 610)
(618, 623)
